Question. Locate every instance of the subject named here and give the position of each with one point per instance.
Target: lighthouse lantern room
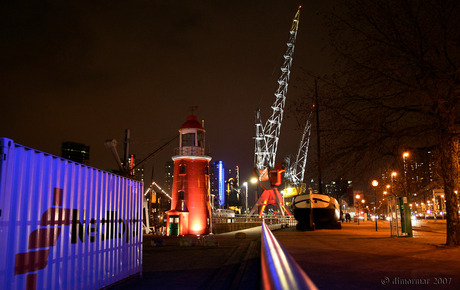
(190, 212)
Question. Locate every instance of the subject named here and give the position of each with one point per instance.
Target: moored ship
(325, 214)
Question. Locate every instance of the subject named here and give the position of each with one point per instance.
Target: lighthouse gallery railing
(189, 151)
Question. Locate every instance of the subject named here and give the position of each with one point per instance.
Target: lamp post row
(375, 183)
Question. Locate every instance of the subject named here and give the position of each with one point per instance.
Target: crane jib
(267, 136)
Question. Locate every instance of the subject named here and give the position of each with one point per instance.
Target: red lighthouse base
(191, 211)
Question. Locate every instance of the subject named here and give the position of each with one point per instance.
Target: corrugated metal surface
(64, 225)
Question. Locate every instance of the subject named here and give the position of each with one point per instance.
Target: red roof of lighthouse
(192, 122)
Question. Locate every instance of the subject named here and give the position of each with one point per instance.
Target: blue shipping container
(65, 225)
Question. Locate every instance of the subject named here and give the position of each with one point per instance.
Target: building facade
(77, 152)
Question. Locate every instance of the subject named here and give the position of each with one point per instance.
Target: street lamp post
(405, 155)
(392, 208)
(385, 215)
(357, 197)
(254, 180)
(443, 206)
(245, 184)
(393, 175)
(374, 184)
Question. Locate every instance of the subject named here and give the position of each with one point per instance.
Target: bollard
(240, 235)
(187, 242)
(157, 242)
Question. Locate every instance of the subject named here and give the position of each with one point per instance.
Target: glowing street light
(405, 155)
(375, 183)
(255, 180)
(388, 202)
(393, 175)
(357, 198)
(246, 194)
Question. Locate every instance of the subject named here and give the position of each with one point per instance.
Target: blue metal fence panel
(65, 225)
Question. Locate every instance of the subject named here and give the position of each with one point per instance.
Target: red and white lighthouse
(190, 212)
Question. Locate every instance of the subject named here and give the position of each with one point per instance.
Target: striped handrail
(279, 270)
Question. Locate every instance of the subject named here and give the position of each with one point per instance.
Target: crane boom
(296, 171)
(301, 160)
(267, 137)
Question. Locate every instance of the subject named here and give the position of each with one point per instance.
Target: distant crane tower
(295, 172)
(267, 137)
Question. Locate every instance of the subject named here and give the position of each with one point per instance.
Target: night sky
(84, 71)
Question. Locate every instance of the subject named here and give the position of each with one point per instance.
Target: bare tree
(396, 84)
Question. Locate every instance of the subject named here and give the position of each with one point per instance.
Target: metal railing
(278, 268)
(189, 151)
(254, 219)
(236, 219)
(284, 221)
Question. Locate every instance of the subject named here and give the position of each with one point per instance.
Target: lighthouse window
(181, 169)
(201, 139)
(181, 194)
(188, 139)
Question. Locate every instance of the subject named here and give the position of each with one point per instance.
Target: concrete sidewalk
(233, 264)
(355, 257)
(358, 257)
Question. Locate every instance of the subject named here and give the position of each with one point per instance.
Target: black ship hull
(326, 210)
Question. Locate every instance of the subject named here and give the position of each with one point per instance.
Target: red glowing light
(195, 220)
(131, 162)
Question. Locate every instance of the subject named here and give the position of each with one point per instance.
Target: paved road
(355, 257)
(358, 257)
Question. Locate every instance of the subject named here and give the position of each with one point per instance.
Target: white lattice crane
(267, 136)
(295, 172)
